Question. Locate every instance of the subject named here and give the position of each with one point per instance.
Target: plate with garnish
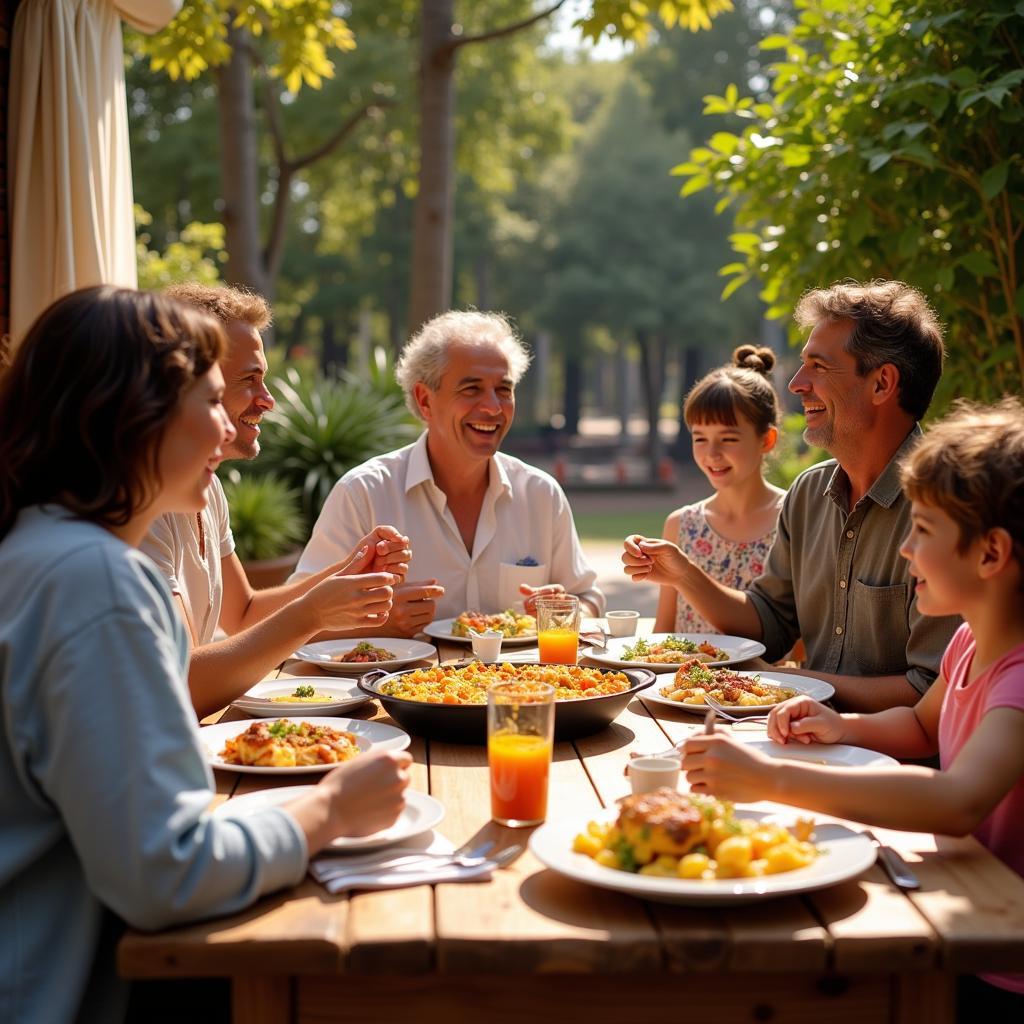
(359, 654)
(665, 652)
(307, 695)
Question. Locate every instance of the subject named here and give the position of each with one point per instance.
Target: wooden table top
(967, 917)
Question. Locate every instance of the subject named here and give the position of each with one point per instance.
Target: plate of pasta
(742, 693)
(289, 746)
(515, 627)
(342, 657)
(672, 847)
(665, 652)
(420, 814)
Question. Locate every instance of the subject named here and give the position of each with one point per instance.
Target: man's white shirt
(525, 532)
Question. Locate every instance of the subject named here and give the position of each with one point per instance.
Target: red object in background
(559, 470)
(620, 471)
(666, 469)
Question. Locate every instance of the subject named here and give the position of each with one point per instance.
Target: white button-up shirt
(525, 517)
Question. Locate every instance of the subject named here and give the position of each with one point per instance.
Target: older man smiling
(834, 575)
(480, 522)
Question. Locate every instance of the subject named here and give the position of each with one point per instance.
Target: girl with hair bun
(733, 415)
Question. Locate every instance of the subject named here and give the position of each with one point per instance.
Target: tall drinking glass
(520, 733)
(558, 628)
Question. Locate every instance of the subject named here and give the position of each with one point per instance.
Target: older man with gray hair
(483, 526)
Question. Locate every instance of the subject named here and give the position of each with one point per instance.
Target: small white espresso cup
(487, 645)
(622, 623)
(647, 774)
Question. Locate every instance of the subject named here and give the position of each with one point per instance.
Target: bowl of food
(449, 702)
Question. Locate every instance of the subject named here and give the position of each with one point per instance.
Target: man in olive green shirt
(834, 575)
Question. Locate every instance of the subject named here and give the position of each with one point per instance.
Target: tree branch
(340, 135)
(507, 30)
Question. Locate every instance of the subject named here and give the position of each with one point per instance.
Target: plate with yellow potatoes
(754, 855)
(303, 695)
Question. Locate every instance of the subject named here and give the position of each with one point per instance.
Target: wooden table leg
(262, 1000)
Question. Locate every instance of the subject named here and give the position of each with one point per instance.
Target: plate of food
(674, 847)
(420, 814)
(355, 655)
(289, 746)
(740, 693)
(450, 701)
(309, 695)
(835, 755)
(665, 652)
(515, 627)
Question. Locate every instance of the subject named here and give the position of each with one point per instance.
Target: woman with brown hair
(109, 416)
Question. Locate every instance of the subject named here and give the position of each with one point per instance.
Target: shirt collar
(886, 488)
(418, 470)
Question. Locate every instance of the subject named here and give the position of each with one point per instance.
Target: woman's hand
(351, 602)
(530, 595)
(359, 797)
(803, 720)
(723, 767)
(384, 549)
(653, 561)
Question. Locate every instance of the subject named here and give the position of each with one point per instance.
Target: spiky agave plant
(322, 427)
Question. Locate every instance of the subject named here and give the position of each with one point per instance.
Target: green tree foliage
(195, 255)
(890, 146)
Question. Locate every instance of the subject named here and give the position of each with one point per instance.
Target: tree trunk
(333, 356)
(573, 393)
(431, 286)
(652, 366)
(239, 167)
(625, 392)
(689, 368)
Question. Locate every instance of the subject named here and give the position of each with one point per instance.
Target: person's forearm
(896, 732)
(729, 611)
(909, 798)
(868, 694)
(222, 671)
(266, 602)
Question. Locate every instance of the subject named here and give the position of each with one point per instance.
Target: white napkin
(377, 873)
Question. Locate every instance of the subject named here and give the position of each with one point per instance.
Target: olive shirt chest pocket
(877, 628)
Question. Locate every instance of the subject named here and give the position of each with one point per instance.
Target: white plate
(421, 814)
(844, 854)
(369, 735)
(344, 695)
(837, 754)
(816, 689)
(735, 647)
(441, 629)
(323, 651)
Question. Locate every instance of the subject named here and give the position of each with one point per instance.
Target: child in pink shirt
(966, 553)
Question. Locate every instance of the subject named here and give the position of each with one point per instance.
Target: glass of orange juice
(558, 628)
(520, 733)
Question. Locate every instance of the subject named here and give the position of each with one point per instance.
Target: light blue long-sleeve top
(104, 787)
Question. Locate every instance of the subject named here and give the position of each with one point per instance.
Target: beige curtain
(70, 182)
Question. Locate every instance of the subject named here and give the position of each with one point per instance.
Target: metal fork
(334, 863)
(348, 879)
(721, 712)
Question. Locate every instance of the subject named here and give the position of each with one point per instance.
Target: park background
(641, 186)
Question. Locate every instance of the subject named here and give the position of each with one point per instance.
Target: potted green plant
(321, 427)
(268, 525)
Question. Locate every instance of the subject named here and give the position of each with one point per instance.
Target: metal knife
(895, 866)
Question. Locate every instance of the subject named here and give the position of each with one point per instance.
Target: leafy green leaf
(878, 161)
(979, 263)
(993, 181)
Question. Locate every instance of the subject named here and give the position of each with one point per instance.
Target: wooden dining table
(530, 942)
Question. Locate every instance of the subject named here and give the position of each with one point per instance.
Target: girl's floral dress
(734, 563)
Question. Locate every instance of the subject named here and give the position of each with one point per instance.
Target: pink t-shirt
(964, 705)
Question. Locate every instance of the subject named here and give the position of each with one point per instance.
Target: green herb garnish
(281, 728)
(304, 691)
